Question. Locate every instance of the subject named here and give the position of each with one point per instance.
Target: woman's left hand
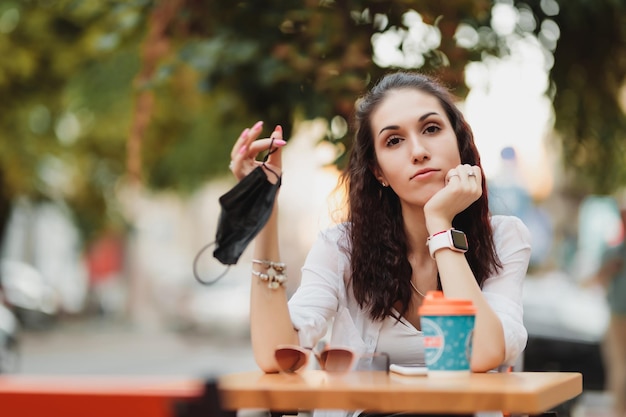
(243, 157)
(463, 187)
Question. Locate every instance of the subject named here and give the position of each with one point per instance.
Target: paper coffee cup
(448, 327)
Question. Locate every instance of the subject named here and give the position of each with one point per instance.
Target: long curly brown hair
(381, 272)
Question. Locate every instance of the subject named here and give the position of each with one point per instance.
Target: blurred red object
(36, 396)
(105, 257)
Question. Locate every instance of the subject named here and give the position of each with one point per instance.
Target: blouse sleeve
(316, 300)
(503, 290)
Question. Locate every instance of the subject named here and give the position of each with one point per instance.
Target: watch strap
(444, 240)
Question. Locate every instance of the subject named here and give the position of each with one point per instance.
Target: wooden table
(102, 396)
(517, 392)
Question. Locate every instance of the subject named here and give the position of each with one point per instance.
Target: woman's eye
(393, 140)
(432, 129)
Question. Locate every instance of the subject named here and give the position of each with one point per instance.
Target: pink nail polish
(257, 125)
(244, 133)
(243, 150)
(279, 142)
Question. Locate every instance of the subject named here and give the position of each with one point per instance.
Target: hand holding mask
(246, 208)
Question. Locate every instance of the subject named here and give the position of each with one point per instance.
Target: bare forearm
(457, 280)
(270, 323)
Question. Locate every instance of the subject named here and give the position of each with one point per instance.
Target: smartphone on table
(413, 369)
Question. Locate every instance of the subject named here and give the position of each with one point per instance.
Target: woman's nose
(419, 151)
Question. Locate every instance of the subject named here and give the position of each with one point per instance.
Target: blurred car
(9, 329)
(223, 307)
(34, 301)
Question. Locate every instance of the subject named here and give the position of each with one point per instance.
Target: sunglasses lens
(336, 360)
(290, 360)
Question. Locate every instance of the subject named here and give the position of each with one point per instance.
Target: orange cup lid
(435, 304)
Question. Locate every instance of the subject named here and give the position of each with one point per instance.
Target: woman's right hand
(463, 186)
(244, 153)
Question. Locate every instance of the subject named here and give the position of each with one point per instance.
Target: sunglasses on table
(291, 358)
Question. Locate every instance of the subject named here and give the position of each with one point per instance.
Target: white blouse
(401, 341)
(325, 297)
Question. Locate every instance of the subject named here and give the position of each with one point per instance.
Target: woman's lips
(424, 173)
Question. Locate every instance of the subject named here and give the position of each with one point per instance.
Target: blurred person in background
(105, 258)
(612, 276)
(414, 174)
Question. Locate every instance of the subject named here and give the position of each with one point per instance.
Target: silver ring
(453, 175)
(471, 174)
(230, 166)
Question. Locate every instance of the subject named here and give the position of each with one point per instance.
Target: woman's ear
(378, 175)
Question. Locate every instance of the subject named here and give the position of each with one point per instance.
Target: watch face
(458, 239)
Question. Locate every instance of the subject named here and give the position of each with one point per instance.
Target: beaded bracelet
(275, 276)
(276, 266)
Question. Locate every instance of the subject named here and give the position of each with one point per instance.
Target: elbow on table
(486, 361)
(481, 368)
(267, 365)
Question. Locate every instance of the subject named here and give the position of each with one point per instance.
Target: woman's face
(415, 145)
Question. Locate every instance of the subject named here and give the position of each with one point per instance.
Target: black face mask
(246, 208)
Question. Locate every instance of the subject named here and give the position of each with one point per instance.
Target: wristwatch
(450, 239)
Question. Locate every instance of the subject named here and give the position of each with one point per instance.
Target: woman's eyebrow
(396, 127)
(392, 127)
(424, 116)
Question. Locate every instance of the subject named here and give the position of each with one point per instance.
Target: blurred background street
(96, 348)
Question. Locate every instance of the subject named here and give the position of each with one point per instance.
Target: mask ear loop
(196, 275)
(269, 152)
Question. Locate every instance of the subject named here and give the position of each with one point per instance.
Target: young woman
(414, 172)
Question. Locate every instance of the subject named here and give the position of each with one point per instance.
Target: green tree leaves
(73, 73)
